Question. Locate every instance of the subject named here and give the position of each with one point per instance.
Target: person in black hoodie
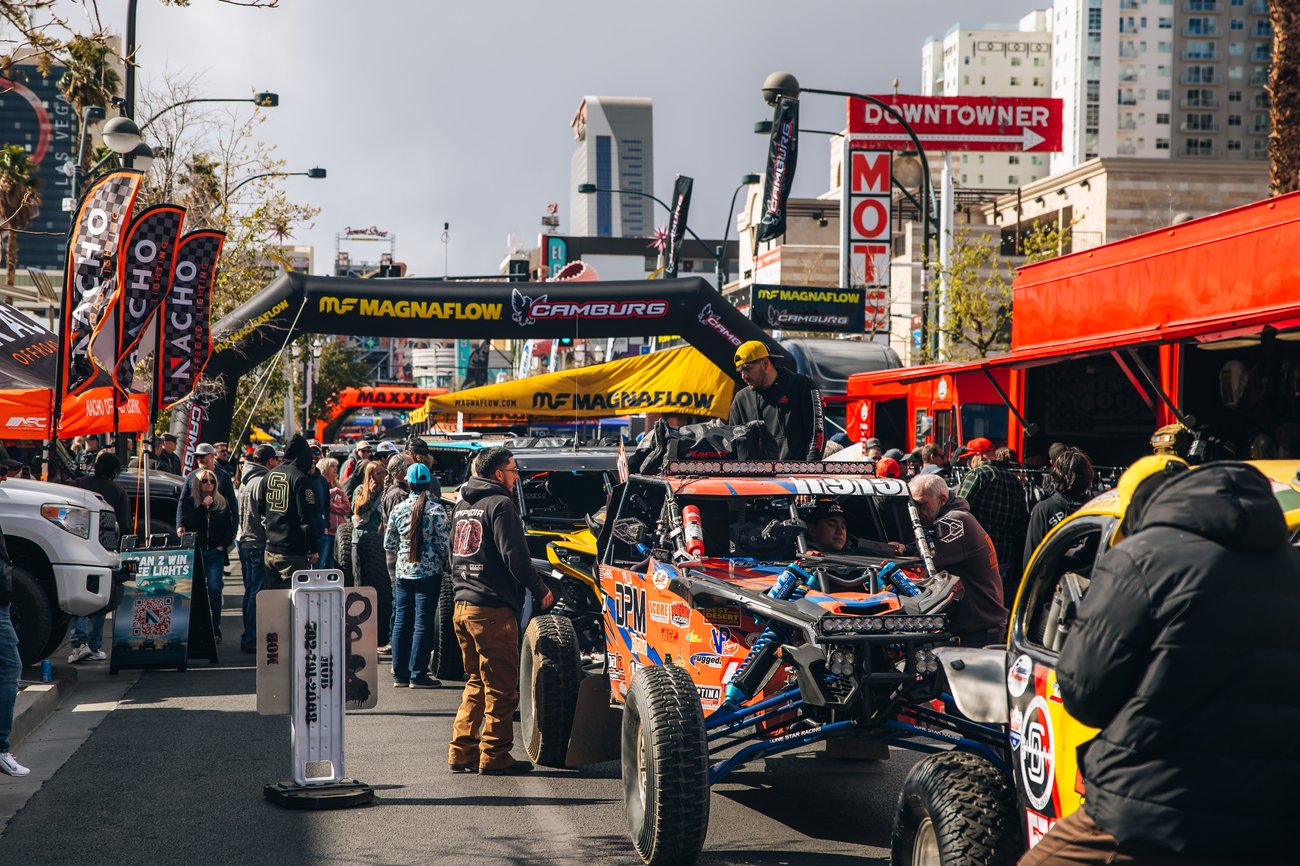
(290, 507)
(490, 568)
(1186, 654)
(1070, 478)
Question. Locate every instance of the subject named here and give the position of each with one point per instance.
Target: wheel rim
(641, 772)
(925, 845)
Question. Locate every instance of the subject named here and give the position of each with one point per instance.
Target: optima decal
(409, 309)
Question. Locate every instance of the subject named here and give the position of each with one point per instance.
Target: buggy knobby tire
(32, 612)
(343, 552)
(550, 671)
(446, 662)
(956, 809)
(665, 766)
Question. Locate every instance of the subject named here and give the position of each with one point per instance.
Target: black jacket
(213, 528)
(115, 496)
(490, 564)
(169, 461)
(290, 504)
(1045, 515)
(791, 409)
(1186, 653)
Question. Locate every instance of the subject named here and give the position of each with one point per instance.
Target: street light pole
(780, 84)
(261, 100)
(314, 173)
(745, 180)
(589, 188)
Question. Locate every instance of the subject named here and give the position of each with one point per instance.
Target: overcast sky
(424, 112)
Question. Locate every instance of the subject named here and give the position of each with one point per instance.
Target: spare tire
(343, 551)
(446, 662)
(32, 612)
(550, 671)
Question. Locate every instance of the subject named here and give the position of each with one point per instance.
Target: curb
(36, 703)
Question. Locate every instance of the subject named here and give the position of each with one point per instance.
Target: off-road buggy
(728, 640)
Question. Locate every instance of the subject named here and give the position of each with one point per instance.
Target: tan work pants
(489, 646)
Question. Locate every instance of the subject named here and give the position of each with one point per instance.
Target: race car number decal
(629, 607)
(1037, 759)
(839, 486)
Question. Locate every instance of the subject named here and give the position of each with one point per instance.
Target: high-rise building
(615, 152)
(992, 60)
(1161, 79)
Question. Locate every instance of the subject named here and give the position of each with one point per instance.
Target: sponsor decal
(184, 338)
(692, 637)
(658, 610)
(630, 608)
(781, 158)
(748, 638)
(708, 660)
(677, 224)
(710, 697)
(405, 309)
(730, 671)
(1037, 758)
(19, 421)
(1018, 676)
(1017, 725)
(1037, 826)
(615, 667)
(612, 400)
(723, 642)
(809, 296)
(467, 538)
(777, 317)
(527, 311)
(713, 322)
(671, 635)
(949, 528)
(249, 327)
(638, 649)
(1054, 693)
(681, 614)
(661, 579)
(722, 615)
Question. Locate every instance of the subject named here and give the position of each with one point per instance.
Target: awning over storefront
(675, 381)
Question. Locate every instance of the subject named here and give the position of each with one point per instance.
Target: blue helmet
(418, 473)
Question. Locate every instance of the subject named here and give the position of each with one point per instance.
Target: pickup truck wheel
(343, 554)
(550, 671)
(58, 633)
(956, 809)
(446, 662)
(665, 766)
(33, 617)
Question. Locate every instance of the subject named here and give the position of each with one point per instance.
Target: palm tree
(1284, 93)
(18, 201)
(89, 80)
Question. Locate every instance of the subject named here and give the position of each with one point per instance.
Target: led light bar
(834, 626)
(769, 467)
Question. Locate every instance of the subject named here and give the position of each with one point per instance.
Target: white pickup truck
(63, 543)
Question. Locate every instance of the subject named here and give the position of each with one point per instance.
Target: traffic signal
(566, 341)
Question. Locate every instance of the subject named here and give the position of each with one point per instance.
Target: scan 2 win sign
(809, 308)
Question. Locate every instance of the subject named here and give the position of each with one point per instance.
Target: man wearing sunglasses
(788, 403)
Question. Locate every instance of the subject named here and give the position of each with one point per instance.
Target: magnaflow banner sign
(809, 308)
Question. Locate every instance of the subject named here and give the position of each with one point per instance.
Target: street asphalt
(170, 768)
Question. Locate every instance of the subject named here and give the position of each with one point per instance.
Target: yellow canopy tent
(677, 380)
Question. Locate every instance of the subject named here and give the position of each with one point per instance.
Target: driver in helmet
(828, 532)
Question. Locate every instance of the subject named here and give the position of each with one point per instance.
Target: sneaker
(97, 656)
(79, 654)
(10, 766)
(514, 768)
(424, 681)
(401, 684)
(385, 650)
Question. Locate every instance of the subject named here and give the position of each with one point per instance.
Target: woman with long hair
(368, 564)
(416, 534)
(1071, 475)
(207, 514)
(338, 507)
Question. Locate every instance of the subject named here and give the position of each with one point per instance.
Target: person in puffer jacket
(1186, 654)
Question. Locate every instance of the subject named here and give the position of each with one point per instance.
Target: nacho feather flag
(185, 334)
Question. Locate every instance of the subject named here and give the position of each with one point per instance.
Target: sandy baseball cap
(754, 350)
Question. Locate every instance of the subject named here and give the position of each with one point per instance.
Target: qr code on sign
(151, 617)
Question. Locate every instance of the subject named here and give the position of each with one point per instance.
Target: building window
(1162, 144)
(1162, 71)
(1038, 61)
(1162, 119)
(1013, 159)
(1200, 75)
(1234, 120)
(1262, 53)
(1202, 5)
(1233, 95)
(1038, 82)
(1199, 27)
(1092, 91)
(1236, 48)
(1094, 20)
(1013, 179)
(1199, 147)
(1164, 94)
(1165, 47)
(984, 79)
(1015, 61)
(1165, 23)
(604, 180)
(1015, 82)
(1259, 149)
(1201, 99)
(980, 179)
(1236, 72)
(1261, 30)
(1233, 144)
(1237, 24)
(1199, 49)
(1035, 160)
(1201, 122)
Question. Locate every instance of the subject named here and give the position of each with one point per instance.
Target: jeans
(10, 667)
(254, 569)
(213, 564)
(415, 605)
(489, 647)
(88, 631)
(326, 551)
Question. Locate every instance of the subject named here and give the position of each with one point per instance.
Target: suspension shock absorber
(792, 585)
(922, 540)
(902, 584)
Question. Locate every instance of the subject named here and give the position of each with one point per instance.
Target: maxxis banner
(186, 340)
(90, 275)
(677, 225)
(782, 151)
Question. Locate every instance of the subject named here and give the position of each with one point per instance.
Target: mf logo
(341, 306)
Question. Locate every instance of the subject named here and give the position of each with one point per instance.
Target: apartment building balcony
(1201, 32)
(1199, 126)
(1202, 6)
(1199, 103)
(1205, 78)
(1198, 56)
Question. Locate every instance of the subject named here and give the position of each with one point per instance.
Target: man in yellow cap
(788, 403)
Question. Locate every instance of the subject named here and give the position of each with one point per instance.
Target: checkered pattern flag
(90, 276)
(185, 341)
(145, 275)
